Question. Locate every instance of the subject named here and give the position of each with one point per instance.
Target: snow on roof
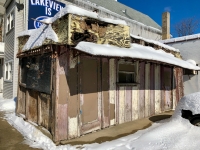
(71, 9)
(136, 51)
(39, 35)
(183, 38)
(155, 42)
(191, 61)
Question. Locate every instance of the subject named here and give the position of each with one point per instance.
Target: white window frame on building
(10, 21)
(8, 74)
(127, 72)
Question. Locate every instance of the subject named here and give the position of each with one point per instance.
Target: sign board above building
(42, 9)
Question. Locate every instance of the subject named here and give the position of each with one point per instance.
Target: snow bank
(188, 102)
(7, 105)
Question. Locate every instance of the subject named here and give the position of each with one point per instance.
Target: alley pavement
(11, 139)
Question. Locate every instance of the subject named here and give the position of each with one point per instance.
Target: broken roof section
(45, 32)
(135, 52)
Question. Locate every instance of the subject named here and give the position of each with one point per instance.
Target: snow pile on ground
(7, 105)
(188, 102)
(175, 133)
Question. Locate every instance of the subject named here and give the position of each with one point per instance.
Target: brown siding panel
(105, 94)
(142, 92)
(152, 89)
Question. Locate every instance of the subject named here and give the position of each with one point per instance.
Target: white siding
(189, 50)
(20, 25)
(9, 52)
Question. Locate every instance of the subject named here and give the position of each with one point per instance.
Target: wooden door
(90, 96)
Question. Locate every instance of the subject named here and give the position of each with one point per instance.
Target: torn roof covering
(38, 36)
(156, 43)
(135, 52)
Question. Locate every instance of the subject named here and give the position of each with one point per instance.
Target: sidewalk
(11, 139)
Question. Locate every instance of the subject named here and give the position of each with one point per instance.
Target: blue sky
(179, 9)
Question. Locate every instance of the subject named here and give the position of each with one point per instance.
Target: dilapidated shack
(79, 73)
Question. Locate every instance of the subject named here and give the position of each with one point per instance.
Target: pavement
(11, 139)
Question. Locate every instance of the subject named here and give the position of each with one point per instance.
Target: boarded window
(36, 73)
(126, 73)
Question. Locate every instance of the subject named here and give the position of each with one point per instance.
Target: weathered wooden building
(79, 73)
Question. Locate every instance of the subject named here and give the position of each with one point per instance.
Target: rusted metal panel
(128, 104)
(157, 90)
(89, 86)
(142, 90)
(112, 90)
(105, 94)
(152, 89)
(32, 106)
(147, 89)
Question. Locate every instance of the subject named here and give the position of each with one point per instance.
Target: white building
(189, 47)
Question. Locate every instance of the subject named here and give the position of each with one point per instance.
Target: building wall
(86, 96)
(11, 47)
(20, 25)
(9, 51)
(189, 49)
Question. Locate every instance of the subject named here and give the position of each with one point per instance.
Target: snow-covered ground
(175, 133)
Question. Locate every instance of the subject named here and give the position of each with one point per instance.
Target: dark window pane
(122, 77)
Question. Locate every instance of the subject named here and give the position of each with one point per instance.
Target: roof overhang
(135, 52)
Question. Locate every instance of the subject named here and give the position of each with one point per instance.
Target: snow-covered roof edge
(155, 42)
(71, 9)
(136, 51)
(180, 39)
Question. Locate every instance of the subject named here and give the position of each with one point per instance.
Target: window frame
(8, 74)
(10, 21)
(135, 73)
